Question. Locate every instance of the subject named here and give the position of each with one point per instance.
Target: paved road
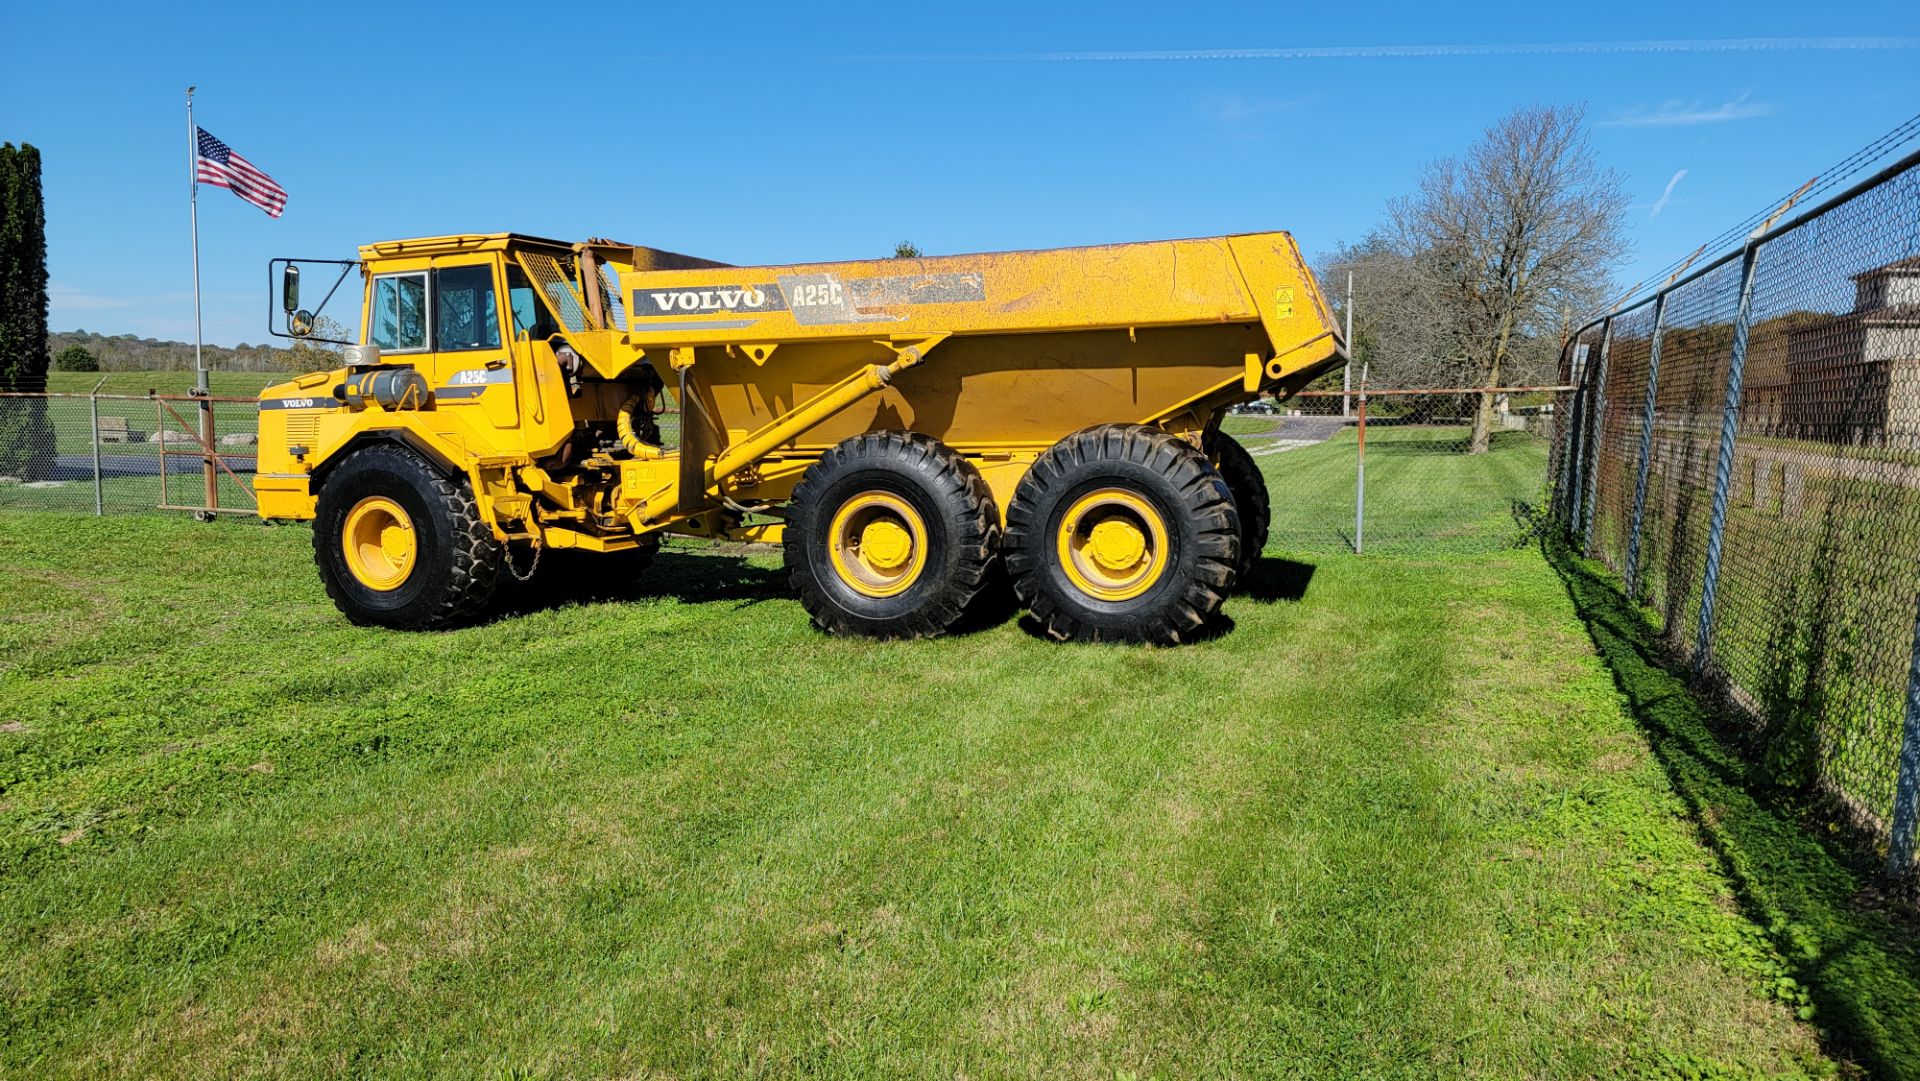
(1292, 433)
(80, 466)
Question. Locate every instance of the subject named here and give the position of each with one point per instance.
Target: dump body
(1035, 344)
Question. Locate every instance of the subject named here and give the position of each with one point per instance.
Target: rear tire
(400, 545)
(1250, 499)
(1123, 533)
(892, 535)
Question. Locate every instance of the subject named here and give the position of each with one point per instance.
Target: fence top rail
(1374, 392)
(1758, 237)
(126, 397)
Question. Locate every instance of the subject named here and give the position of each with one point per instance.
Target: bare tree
(1393, 324)
(1525, 225)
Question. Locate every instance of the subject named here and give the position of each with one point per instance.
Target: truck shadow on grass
(690, 579)
(1268, 581)
(728, 579)
(1271, 579)
(1817, 897)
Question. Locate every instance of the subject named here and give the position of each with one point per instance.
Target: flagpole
(193, 215)
(202, 388)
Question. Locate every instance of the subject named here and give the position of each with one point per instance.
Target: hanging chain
(533, 567)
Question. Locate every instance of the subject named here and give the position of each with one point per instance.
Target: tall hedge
(26, 441)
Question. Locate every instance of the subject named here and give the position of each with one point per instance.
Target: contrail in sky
(1380, 52)
(1667, 196)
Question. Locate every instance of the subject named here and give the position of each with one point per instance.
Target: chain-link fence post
(210, 475)
(1576, 441)
(160, 429)
(1360, 472)
(1646, 450)
(1906, 791)
(1723, 466)
(1595, 426)
(1561, 442)
(93, 412)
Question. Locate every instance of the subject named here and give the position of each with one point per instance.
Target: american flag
(215, 163)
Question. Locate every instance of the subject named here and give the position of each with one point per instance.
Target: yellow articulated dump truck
(916, 433)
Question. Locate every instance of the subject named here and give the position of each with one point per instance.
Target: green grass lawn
(1398, 821)
(1424, 495)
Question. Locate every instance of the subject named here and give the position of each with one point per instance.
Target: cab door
(472, 364)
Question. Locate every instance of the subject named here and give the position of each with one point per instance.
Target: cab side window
(400, 313)
(466, 315)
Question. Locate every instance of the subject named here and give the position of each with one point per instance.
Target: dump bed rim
(891, 260)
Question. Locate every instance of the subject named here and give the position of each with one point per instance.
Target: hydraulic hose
(623, 426)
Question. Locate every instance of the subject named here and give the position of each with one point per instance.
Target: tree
(76, 358)
(905, 250)
(307, 355)
(26, 441)
(1525, 225)
(1393, 328)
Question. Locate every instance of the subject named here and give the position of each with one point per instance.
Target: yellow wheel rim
(378, 542)
(878, 543)
(1113, 544)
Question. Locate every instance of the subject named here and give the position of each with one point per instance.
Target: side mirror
(290, 289)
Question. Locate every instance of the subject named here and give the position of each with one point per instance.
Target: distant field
(224, 384)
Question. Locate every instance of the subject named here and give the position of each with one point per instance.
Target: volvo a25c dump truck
(916, 433)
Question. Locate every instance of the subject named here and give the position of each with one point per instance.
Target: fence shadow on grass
(1814, 895)
(1419, 440)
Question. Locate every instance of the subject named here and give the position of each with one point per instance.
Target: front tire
(1123, 533)
(892, 535)
(400, 545)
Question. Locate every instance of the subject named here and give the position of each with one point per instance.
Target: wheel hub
(878, 544)
(1113, 544)
(1117, 544)
(378, 542)
(885, 544)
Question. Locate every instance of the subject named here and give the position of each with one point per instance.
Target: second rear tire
(1250, 498)
(1123, 533)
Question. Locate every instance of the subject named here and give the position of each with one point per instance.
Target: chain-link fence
(1424, 471)
(1743, 449)
(1389, 471)
(107, 454)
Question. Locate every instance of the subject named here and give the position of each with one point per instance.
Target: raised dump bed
(899, 425)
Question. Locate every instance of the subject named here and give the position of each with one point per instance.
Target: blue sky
(757, 133)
